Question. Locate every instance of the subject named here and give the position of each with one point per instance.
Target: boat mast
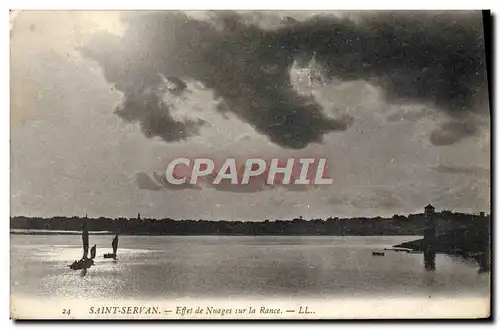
(85, 238)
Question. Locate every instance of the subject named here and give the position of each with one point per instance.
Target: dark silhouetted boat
(114, 244)
(84, 263)
(377, 253)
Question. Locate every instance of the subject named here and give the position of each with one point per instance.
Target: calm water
(211, 266)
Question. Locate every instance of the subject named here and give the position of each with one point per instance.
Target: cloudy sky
(102, 101)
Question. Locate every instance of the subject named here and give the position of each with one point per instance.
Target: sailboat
(114, 244)
(84, 263)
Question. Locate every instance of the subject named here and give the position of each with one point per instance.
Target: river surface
(243, 266)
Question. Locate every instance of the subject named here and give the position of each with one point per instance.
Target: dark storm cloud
(239, 63)
(432, 58)
(418, 56)
(415, 57)
(453, 131)
(143, 88)
(155, 117)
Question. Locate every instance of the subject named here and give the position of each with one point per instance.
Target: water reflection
(430, 261)
(237, 266)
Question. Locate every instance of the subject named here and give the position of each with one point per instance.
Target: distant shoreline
(397, 225)
(55, 232)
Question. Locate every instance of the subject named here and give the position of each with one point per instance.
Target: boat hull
(81, 264)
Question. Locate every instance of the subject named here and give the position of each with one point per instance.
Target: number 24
(66, 311)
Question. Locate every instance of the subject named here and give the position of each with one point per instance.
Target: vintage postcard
(250, 165)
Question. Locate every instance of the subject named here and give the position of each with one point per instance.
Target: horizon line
(253, 220)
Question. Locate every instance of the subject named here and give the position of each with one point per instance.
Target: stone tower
(430, 223)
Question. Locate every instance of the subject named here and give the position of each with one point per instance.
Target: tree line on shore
(413, 224)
